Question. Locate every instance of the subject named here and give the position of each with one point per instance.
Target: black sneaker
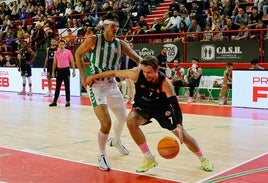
(53, 104)
(67, 104)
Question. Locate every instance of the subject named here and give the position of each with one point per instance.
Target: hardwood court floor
(228, 136)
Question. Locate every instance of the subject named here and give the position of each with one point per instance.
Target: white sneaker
(119, 146)
(103, 162)
(49, 94)
(30, 93)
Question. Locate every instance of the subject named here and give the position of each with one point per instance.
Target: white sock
(102, 139)
(121, 116)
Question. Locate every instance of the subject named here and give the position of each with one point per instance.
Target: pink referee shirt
(63, 58)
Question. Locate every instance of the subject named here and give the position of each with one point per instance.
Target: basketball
(168, 147)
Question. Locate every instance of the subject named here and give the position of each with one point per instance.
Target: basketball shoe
(22, 93)
(206, 164)
(119, 146)
(103, 162)
(147, 164)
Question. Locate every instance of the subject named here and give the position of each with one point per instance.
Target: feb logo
(208, 52)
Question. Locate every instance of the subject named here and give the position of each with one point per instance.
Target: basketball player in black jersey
(49, 63)
(154, 98)
(26, 57)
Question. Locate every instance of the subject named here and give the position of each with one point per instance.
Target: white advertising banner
(10, 80)
(250, 89)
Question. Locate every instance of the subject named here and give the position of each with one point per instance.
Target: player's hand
(89, 80)
(74, 74)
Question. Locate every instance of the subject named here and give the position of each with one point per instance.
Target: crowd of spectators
(36, 21)
(212, 17)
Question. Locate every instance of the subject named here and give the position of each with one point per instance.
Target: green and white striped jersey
(105, 56)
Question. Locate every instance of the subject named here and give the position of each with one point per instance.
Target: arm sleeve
(176, 108)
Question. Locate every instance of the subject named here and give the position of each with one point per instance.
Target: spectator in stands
(6, 10)
(60, 7)
(10, 43)
(173, 6)
(162, 59)
(155, 27)
(106, 7)
(10, 62)
(129, 35)
(48, 26)
(50, 6)
(226, 83)
(30, 9)
(240, 17)
(253, 17)
(265, 7)
(178, 77)
(207, 34)
(40, 20)
(242, 34)
(164, 21)
(78, 7)
(142, 23)
(194, 27)
(227, 27)
(183, 10)
(38, 37)
(235, 10)
(23, 15)
(68, 10)
(216, 19)
(15, 11)
(209, 13)
(196, 13)
(2, 61)
(87, 6)
(139, 30)
(20, 32)
(193, 76)
(172, 23)
(93, 16)
(259, 5)
(217, 34)
(182, 29)
(4, 28)
(185, 18)
(255, 65)
(258, 34)
(227, 9)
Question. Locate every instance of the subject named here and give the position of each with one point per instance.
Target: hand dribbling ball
(168, 147)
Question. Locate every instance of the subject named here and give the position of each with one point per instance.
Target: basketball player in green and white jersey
(104, 52)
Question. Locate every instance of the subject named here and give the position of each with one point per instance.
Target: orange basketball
(168, 147)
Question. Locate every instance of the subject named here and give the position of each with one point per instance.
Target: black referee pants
(63, 74)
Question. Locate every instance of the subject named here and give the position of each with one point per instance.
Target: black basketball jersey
(25, 56)
(51, 53)
(148, 95)
(50, 56)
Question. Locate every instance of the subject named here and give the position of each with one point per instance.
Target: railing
(185, 38)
